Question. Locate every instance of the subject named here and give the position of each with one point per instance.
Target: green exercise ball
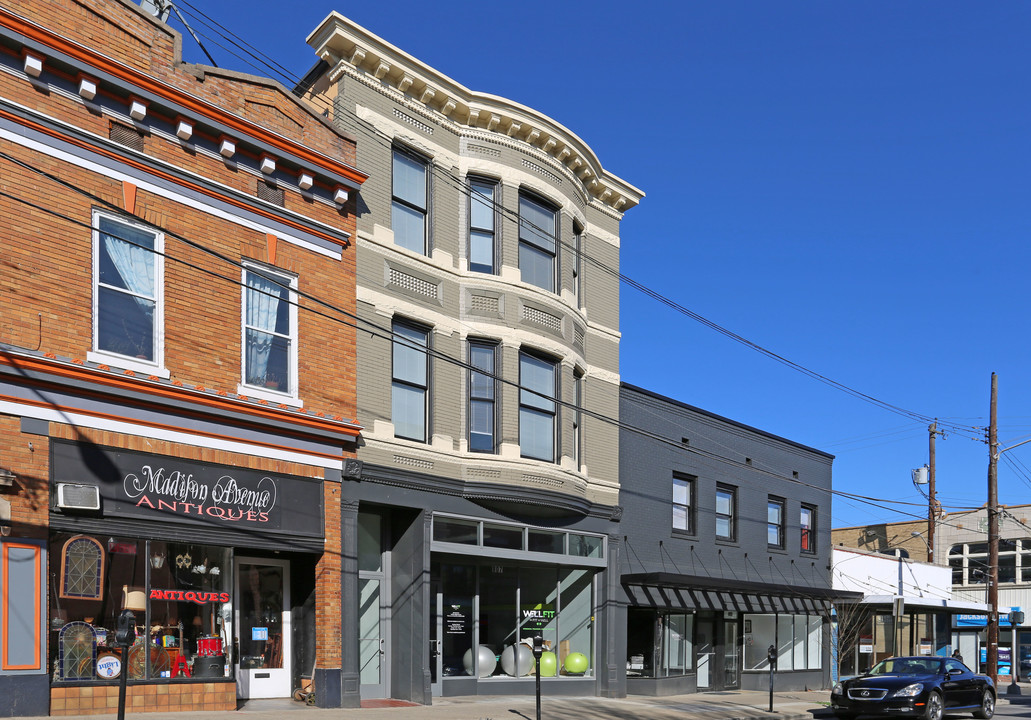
(549, 664)
(576, 663)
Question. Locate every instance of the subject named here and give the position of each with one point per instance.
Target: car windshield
(907, 666)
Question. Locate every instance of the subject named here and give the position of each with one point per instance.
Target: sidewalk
(734, 705)
(730, 705)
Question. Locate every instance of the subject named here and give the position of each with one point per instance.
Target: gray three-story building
(484, 510)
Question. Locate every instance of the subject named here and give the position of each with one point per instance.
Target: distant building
(726, 552)
(907, 608)
(961, 544)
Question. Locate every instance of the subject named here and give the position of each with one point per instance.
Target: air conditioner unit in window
(72, 496)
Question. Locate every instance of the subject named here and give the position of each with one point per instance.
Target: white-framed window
(538, 385)
(683, 504)
(775, 522)
(482, 396)
(726, 512)
(482, 224)
(128, 294)
(409, 394)
(410, 205)
(269, 334)
(538, 238)
(798, 639)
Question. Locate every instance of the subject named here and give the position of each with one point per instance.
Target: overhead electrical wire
(263, 61)
(388, 334)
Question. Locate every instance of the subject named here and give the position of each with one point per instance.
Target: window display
(180, 594)
(515, 605)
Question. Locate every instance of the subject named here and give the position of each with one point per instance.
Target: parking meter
(771, 655)
(125, 632)
(125, 635)
(538, 650)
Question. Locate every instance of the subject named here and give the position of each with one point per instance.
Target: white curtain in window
(262, 313)
(135, 266)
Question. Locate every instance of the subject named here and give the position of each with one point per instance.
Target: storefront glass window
(538, 607)
(499, 585)
(455, 531)
(798, 639)
(545, 541)
(575, 616)
(585, 546)
(180, 594)
(659, 644)
(459, 586)
(502, 536)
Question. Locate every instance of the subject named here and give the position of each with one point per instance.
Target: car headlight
(910, 690)
(837, 689)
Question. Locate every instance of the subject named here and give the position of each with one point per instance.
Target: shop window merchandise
(180, 594)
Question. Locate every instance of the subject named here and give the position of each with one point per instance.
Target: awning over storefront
(927, 604)
(698, 592)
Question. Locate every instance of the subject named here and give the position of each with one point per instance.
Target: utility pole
(993, 537)
(932, 507)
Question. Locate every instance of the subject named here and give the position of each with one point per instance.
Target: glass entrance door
(436, 631)
(263, 628)
(731, 657)
(373, 607)
(706, 644)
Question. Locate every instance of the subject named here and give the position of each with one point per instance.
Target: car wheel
(935, 707)
(987, 706)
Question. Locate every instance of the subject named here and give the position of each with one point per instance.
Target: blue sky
(843, 183)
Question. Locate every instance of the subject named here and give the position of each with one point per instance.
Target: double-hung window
(807, 521)
(538, 238)
(410, 389)
(127, 275)
(482, 199)
(683, 504)
(775, 522)
(269, 331)
(578, 418)
(409, 206)
(538, 380)
(578, 237)
(726, 512)
(482, 394)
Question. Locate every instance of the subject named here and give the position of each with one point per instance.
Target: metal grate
(413, 462)
(413, 284)
(578, 336)
(130, 137)
(271, 194)
(485, 304)
(541, 318)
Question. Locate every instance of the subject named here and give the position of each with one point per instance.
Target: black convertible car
(924, 686)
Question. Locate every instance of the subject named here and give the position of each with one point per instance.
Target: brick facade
(67, 155)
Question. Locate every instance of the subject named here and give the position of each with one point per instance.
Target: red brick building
(177, 370)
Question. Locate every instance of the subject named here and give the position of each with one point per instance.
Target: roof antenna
(160, 10)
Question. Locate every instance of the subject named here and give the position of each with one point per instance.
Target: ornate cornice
(344, 45)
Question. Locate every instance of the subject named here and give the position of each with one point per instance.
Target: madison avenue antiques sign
(134, 484)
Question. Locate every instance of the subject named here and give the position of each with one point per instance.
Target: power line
(385, 333)
(461, 186)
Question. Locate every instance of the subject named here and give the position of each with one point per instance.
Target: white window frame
(290, 398)
(778, 524)
(688, 483)
(140, 365)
